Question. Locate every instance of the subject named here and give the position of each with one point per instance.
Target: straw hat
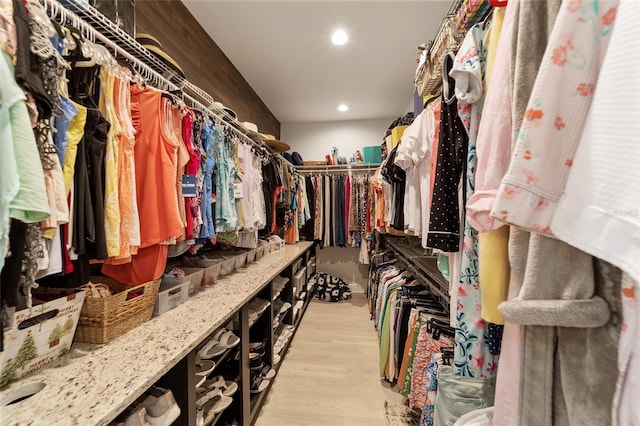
(252, 129)
(154, 46)
(276, 145)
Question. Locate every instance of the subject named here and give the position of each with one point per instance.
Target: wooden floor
(330, 375)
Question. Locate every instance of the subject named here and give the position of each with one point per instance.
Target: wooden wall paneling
(203, 62)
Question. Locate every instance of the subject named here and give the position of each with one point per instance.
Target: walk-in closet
(319, 213)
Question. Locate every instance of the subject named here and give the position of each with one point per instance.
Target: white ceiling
(284, 51)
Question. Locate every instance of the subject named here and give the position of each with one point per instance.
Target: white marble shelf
(94, 383)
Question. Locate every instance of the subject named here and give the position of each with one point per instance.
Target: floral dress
(472, 356)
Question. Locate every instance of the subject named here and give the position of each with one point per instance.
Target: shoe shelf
(162, 352)
(263, 309)
(279, 284)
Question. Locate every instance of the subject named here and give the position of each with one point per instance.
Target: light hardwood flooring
(330, 375)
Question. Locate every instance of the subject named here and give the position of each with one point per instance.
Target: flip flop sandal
(258, 384)
(267, 372)
(211, 349)
(200, 380)
(227, 339)
(204, 367)
(214, 401)
(252, 356)
(228, 387)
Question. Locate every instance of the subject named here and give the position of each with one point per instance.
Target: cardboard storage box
(39, 335)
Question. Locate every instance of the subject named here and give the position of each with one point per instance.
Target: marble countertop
(94, 383)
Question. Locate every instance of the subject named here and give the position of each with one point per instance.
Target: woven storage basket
(102, 320)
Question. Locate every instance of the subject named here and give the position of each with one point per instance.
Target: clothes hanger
(447, 355)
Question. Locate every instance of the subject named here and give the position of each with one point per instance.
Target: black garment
(326, 218)
(96, 130)
(493, 339)
(332, 212)
(403, 326)
(341, 231)
(444, 221)
(28, 71)
(309, 231)
(89, 233)
(397, 177)
(10, 276)
(270, 182)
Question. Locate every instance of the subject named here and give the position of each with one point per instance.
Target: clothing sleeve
(467, 70)
(552, 125)
(493, 147)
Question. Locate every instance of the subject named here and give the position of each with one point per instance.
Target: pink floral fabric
(494, 135)
(552, 126)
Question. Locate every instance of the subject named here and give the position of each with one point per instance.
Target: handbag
(429, 73)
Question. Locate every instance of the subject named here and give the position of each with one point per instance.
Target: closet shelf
(74, 391)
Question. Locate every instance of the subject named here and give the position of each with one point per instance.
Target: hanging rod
(96, 26)
(435, 282)
(339, 168)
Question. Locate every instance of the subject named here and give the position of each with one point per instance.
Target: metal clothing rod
(408, 259)
(338, 168)
(96, 26)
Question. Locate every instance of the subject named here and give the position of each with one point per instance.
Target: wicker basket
(102, 320)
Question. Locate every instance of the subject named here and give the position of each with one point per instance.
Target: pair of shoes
(204, 367)
(258, 384)
(256, 307)
(161, 407)
(256, 361)
(222, 340)
(280, 307)
(260, 380)
(267, 372)
(258, 348)
(228, 387)
(134, 415)
(212, 402)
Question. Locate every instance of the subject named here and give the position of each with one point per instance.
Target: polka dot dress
(444, 221)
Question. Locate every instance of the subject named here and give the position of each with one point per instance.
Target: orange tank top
(156, 164)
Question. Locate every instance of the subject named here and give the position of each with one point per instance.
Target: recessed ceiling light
(343, 108)
(339, 37)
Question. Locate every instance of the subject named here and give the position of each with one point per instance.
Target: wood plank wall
(203, 62)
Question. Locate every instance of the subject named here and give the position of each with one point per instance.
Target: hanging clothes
(444, 222)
